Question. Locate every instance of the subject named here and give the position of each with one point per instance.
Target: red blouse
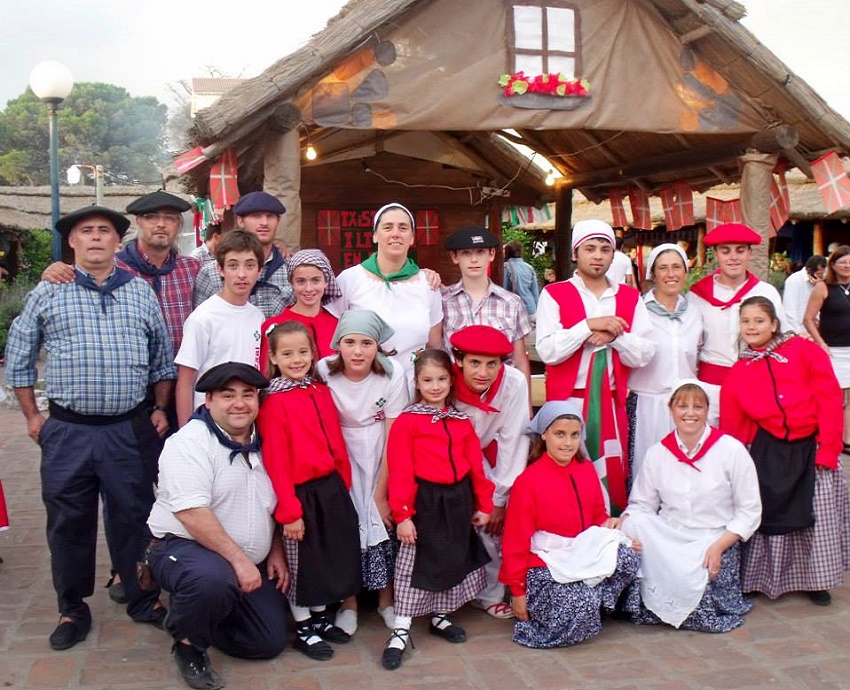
(443, 452)
(548, 497)
(302, 440)
(321, 327)
(791, 400)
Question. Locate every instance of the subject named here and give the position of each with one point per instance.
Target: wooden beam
(695, 35)
(563, 231)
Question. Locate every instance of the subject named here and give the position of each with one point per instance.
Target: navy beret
(216, 378)
(66, 223)
(258, 202)
(472, 237)
(156, 201)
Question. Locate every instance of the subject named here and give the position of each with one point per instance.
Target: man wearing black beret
(259, 213)
(216, 547)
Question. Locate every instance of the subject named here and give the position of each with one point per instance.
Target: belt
(66, 415)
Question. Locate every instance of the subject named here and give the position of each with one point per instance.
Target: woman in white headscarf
(677, 333)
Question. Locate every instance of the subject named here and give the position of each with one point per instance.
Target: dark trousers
(207, 606)
(78, 461)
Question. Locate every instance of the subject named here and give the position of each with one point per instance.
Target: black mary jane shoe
(452, 632)
(323, 627)
(821, 597)
(391, 657)
(68, 633)
(195, 667)
(308, 642)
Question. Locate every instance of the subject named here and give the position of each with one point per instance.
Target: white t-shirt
(218, 332)
(795, 298)
(621, 266)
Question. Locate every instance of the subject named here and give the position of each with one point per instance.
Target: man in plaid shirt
(106, 342)
(259, 213)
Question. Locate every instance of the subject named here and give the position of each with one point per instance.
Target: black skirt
(786, 472)
(447, 546)
(329, 554)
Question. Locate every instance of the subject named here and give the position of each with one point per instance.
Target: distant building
(207, 90)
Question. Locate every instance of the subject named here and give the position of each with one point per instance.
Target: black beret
(216, 378)
(472, 237)
(258, 202)
(157, 200)
(66, 223)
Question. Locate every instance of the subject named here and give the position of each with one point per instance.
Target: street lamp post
(52, 82)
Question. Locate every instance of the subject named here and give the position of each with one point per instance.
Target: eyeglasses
(172, 218)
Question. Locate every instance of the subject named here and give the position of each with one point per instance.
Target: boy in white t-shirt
(225, 327)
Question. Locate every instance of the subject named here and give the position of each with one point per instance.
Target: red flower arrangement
(549, 84)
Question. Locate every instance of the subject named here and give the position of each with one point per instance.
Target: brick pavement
(786, 644)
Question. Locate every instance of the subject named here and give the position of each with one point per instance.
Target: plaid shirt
(175, 294)
(270, 299)
(500, 309)
(97, 363)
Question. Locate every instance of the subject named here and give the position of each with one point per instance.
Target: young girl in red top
(783, 399)
(560, 567)
(305, 456)
(438, 493)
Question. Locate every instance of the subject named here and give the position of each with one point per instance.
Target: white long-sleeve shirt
(795, 297)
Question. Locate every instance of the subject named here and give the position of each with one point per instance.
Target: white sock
(440, 621)
(300, 613)
(401, 623)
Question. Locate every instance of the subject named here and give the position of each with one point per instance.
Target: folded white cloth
(590, 557)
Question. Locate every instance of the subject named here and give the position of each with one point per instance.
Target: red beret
(482, 340)
(732, 233)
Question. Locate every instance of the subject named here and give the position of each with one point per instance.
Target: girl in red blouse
(783, 399)
(560, 566)
(438, 494)
(305, 456)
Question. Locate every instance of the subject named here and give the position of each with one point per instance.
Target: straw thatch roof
(592, 160)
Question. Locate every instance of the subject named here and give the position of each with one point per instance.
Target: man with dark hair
(216, 548)
(212, 236)
(106, 342)
(798, 288)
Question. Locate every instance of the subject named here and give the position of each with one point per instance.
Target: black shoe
(67, 634)
(117, 593)
(451, 632)
(308, 642)
(391, 657)
(323, 627)
(821, 597)
(158, 618)
(194, 665)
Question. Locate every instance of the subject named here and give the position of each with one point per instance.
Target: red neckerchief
(705, 288)
(669, 442)
(465, 394)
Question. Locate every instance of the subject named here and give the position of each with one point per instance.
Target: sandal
(499, 609)
(450, 633)
(308, 642)
(391, 658)
(323, 627)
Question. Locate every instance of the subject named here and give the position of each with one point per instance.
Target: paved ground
(789, 643)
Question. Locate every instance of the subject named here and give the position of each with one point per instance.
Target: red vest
(561, 378)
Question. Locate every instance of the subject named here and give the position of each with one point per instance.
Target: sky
(146, 45)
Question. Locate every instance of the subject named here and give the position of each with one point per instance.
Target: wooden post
(701, 245)
(563, 232)
(756, 174)
(494, 221)
(817, 239)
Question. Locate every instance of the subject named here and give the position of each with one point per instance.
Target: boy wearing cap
(216, 548)
(718, 298)
(106, 342)
(258, 213)
(591, 333)
(495, 398)
(226, 327)
(475, 299)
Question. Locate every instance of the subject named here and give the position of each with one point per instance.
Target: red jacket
(443, 452)
(302, 440)
(561, 500)
(791, 400)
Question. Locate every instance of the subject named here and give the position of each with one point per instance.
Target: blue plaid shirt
(98, 363)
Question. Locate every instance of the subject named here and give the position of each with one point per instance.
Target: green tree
(99, 124)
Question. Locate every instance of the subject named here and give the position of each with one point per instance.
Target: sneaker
(391, 656)
(310, 644)
(388, 614)
(194, 665)
(323, 627)
(499, 609)
(346, 620)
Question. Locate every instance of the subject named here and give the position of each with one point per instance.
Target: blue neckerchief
(130, 255)
(115, 280)
(268, 271)
(203, 414)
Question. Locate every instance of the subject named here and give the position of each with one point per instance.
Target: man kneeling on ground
(219, 554)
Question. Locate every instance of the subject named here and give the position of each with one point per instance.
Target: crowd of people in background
(271, 441)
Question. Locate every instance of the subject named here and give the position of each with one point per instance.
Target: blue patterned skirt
(561, 615)
(377, 564)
